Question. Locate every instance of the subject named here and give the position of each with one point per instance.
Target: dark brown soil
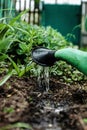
(63, 107)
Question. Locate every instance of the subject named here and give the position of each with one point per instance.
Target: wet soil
(63, 107)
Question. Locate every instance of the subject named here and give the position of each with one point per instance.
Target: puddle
(50, 117)
(53, 129)
(49, 106)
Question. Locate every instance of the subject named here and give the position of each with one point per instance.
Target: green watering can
(46, 57)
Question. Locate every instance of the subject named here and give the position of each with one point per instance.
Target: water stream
(49, 106)
(43, 78)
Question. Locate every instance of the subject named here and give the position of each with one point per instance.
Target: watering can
(46, 57)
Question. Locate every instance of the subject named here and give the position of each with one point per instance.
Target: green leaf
(25, 70)
(17, 17)
(8, 110)
(5, 44)
(85, 120)
(17, 125)
(22, 30)
(23, 48)
(3, 29)
(6, 77)
(14, 65)
(3, 57)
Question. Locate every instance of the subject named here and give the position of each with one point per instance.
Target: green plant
(8, 110)
(85, 120)
(18, 38)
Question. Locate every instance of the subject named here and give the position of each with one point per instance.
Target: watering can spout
(74, 57)
(43, 56)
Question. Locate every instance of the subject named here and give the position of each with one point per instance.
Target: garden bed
(23, 104)
(63, 107)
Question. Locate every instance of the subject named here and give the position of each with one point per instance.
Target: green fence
(64, 18)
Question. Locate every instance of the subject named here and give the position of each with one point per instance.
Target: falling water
(43, 78)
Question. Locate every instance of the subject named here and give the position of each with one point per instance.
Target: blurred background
(66, 16)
